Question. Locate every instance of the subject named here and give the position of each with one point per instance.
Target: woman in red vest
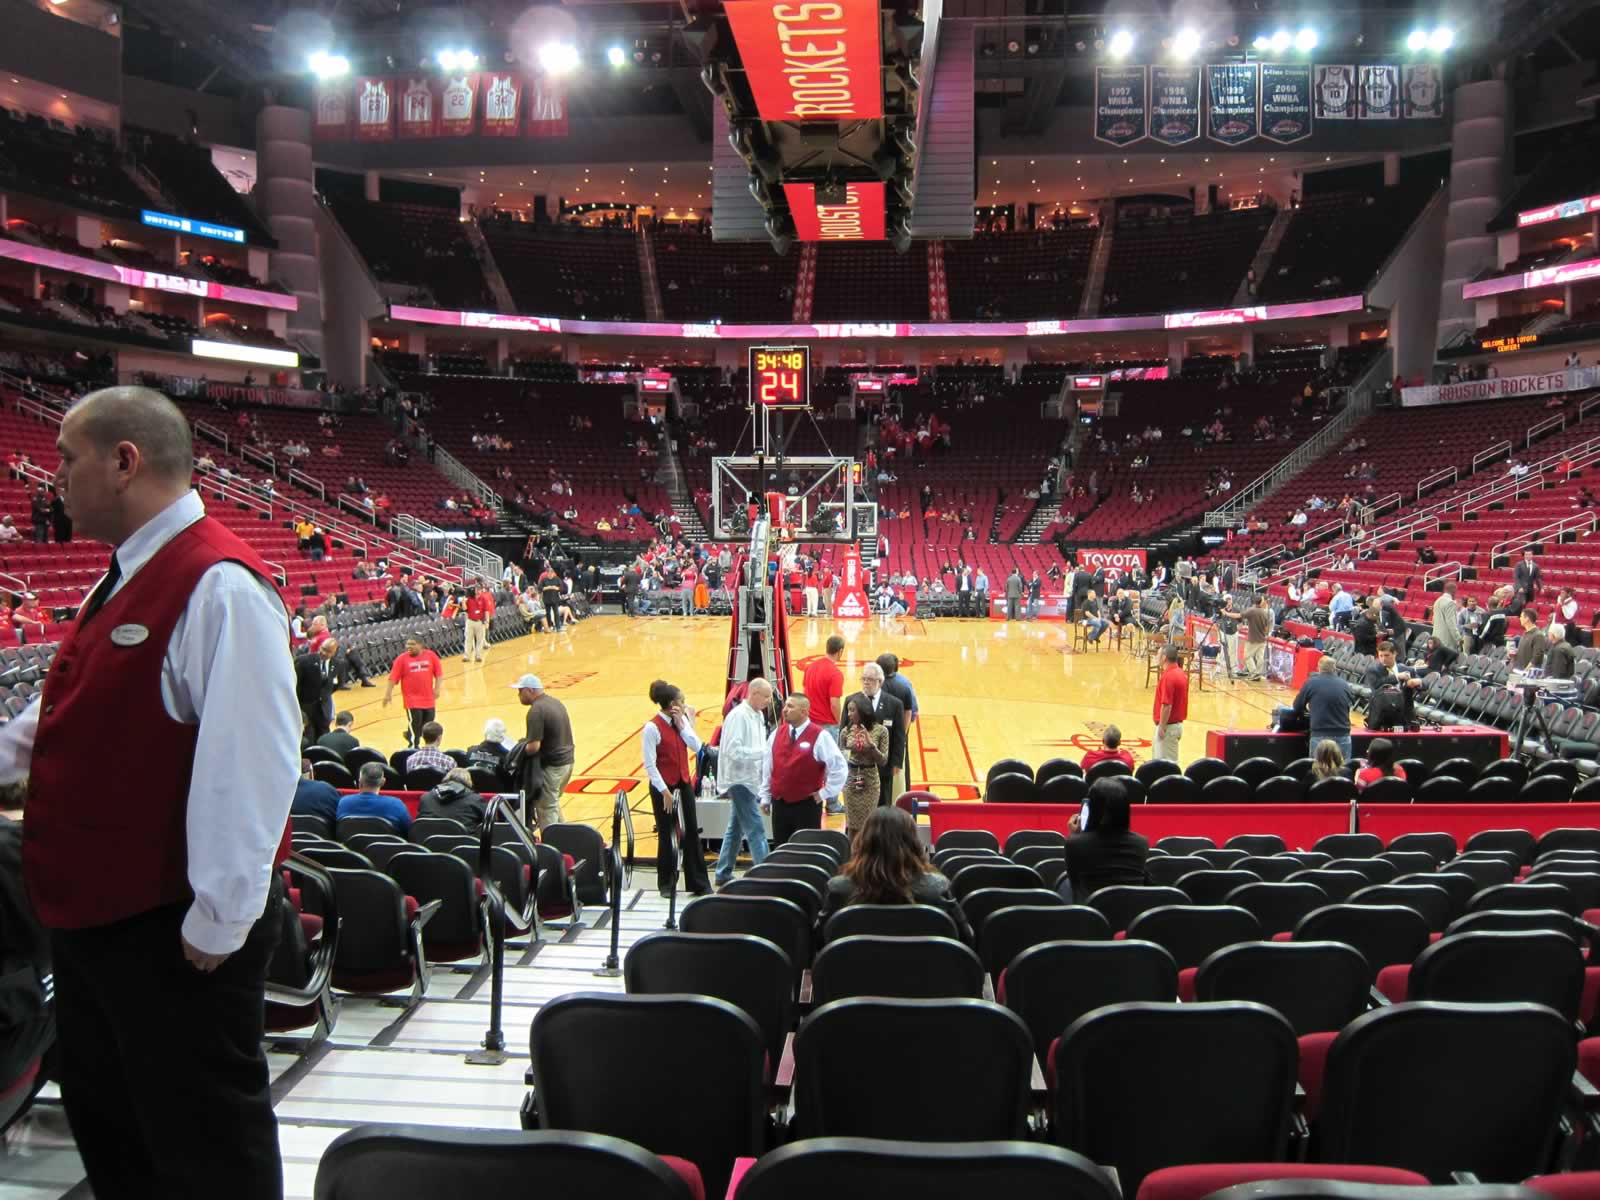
(665, 742)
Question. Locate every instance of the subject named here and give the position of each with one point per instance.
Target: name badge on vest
(805, 745)
(129, 635)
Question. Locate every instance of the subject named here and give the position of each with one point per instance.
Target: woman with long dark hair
(1103, 851)
(889, 866)
(865, 743)
(665, 743)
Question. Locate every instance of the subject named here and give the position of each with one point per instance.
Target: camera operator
(1391, 691)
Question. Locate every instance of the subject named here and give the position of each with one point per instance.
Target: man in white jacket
(741, 759)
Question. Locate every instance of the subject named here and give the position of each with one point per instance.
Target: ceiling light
(1186, 44)
(1121, 44)
(328, 66)
(1418, 40)
(1306, 41)
(1280, 41)
(616, 56)
(1262, 42)
(558, 58)
(1441, 40)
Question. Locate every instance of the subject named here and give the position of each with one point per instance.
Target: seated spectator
(455, 799)
(8, 530)
(429, 754)
(313, 798)
(339, 739)
(890, 866)
(1103, 851)
(1111, 749)
(1380, 764)
(1328, 763)
(370, 802)
(496, 744)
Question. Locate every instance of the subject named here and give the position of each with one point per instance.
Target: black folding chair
(906, 968)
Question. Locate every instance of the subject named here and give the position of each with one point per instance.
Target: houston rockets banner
(1120, 95)
(419, 108)
(330, 121)
(1174, 105)
(1285, 102)
(502, 99)
(859, 219)
(374, 109)
(457, 102)
(545, 100)
(811, 61)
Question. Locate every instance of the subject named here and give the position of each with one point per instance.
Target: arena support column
(1480, 174)
(286, 198)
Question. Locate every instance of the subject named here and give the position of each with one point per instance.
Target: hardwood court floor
(987, 690)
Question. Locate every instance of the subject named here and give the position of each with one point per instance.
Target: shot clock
(780, 377)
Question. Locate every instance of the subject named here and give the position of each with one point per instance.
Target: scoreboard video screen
(780, 376)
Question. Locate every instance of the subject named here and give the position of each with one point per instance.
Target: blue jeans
(1342, 742)
(744, 823)
(1096, 627)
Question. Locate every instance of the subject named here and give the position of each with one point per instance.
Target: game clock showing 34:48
(780, 376)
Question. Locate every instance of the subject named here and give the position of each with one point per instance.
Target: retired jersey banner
(1232, 100)
(811, 61)
(1334, 97)
(1174, 105)
(1285, 102)
(330, 120)
(419, 108)
(502, 104)
(545, 100)
(859, 219)
(1380, 92)
(457, 105)
(1120, 96)
(374, 109)
(1424, 91)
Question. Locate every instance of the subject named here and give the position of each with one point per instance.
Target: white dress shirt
(824, 748)
(742, 752)
(651, 741)
(227, 669)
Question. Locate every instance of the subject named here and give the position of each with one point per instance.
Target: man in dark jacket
(455, 799)
(1324, 700)
(1364, 631)
(875, 695)
(315, 679)
(898, 686)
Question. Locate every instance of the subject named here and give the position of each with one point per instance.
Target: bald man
(159, 889)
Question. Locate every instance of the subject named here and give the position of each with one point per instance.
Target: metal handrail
(1559, 421)
(1447, 570)
(1484, 457)
(248, 497)
(54, 399)
(1564, 525)
(278, 572)
(260, 457)
(1263, 557)
(38, 411)
(1443, 475)
(1321, 532)
(365, 513)
(214, 435)
(310, 483)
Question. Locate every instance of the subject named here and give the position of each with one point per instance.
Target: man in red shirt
(1172, 705)
(823, 683)
(418, 673)
(1111, 750)
(480, 607)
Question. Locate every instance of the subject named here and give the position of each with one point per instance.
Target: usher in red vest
(796, 774)
(672, 754)
(105, 832)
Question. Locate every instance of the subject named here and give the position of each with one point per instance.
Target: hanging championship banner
(419, 109)
(1424, 91)
(1334, 97)
(330, 122)
(861, 218)
(1232, 100)
(546, 102)
(811, 61)
(1174, 104)
(1285, 102)
(1119, 105)
(1380, 92)
(502, 100)
(456, 105)
(374, 109)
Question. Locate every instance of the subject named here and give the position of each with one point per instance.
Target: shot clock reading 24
(780, 376)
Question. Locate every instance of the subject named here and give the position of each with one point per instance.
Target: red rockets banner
(811, 61)
(859, 219)
(459, 104)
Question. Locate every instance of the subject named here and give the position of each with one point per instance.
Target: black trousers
(316, 720)
(552, 611)
(694, 859)
(417, 718)
(153, 1051)
(790, 819)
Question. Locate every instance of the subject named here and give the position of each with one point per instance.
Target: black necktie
(102, 592)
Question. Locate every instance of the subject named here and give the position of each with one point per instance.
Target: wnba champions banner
(1336, 92)
(1120, 99)
(1174, 104)
(1232, 103)
(1285, 102)
(1380, 92)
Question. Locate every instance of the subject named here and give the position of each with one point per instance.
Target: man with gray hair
(163, 917)
(370, 802)
(741, 756)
